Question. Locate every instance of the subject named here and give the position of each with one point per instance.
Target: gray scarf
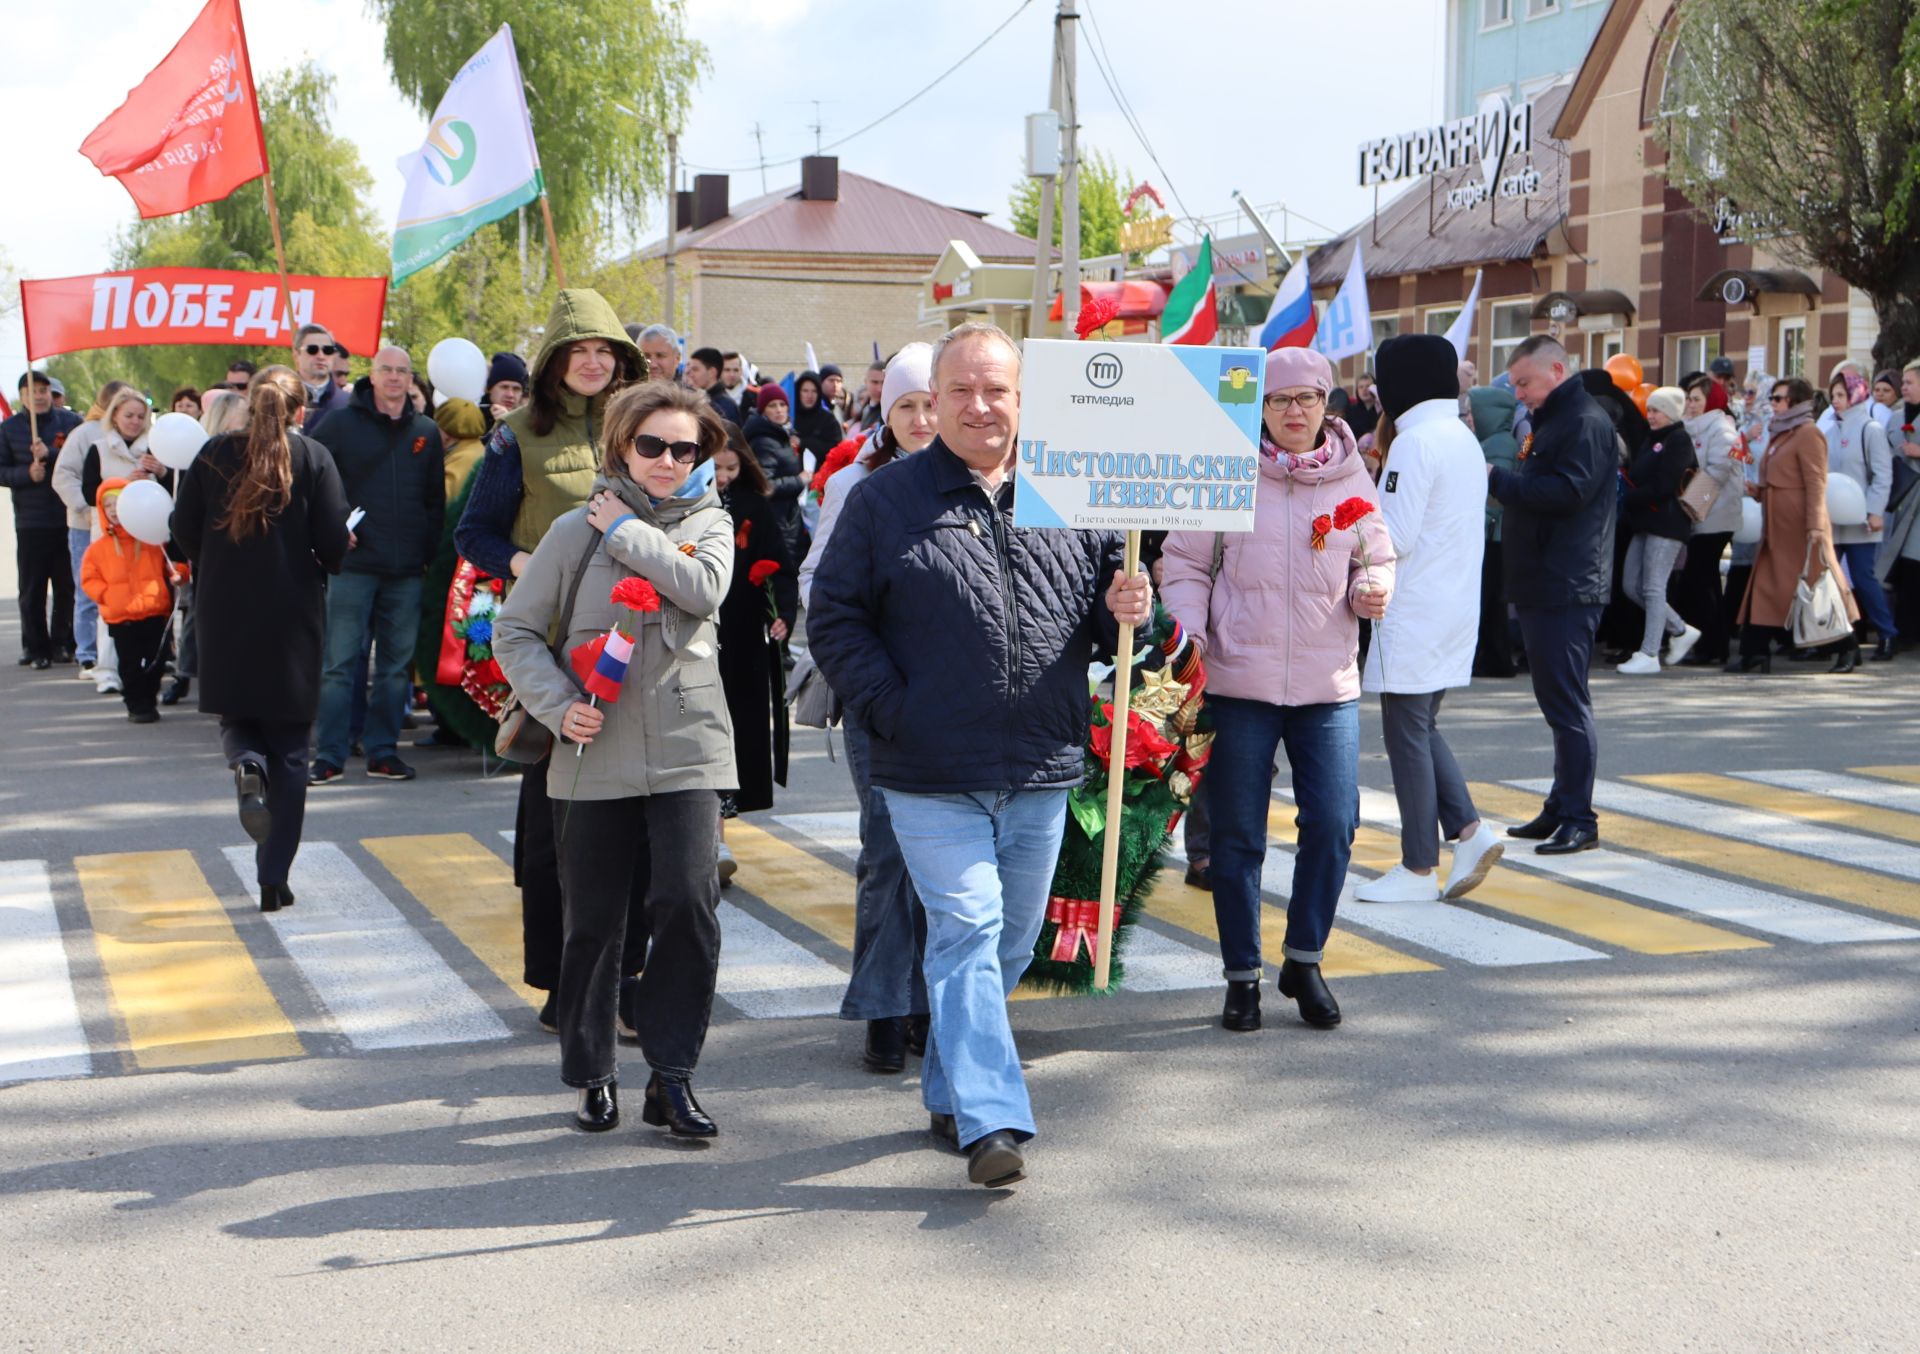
(1796, 416)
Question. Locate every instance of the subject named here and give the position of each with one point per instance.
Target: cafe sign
(1484, 140)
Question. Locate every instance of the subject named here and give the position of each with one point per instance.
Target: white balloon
(459, 368)
(1751, 523)
(176, 439)
(1846, 501)
(146, 511)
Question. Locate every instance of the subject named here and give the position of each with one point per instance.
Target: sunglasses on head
(649, 446)
(316, 349)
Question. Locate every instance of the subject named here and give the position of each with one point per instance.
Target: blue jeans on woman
(983, 863)
(889, 925)
(1859, 560)
(1323, 750)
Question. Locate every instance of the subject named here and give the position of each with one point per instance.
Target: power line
(1102, 62)
(897, 108)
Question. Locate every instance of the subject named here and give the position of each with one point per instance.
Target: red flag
(190, 132)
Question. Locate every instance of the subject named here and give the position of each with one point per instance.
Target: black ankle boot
(670, 1105)
(1242, 1011)
(1750, 662)
(917, 1027)
(269, 898)
(1303, 983)
(1882, 652)
(886, 1045)
(599, 1108)
(1847, 659)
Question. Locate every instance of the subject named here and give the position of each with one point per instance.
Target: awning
(1137, 300)
(1571, 305)
(1740, 286)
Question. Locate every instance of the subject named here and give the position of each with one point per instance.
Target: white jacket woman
(1714, 438)
(1857, 447)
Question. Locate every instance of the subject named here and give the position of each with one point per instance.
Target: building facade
(1519, 48)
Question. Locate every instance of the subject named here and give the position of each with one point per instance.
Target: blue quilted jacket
(959, 643)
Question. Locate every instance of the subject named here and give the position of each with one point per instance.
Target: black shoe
(995, 1161)
(1568, 840)
(389, 768)
(670, 1104)
(269, 898)
(1538, 830)
(944, 1128)
(917, 1027)
(323, 773)
(40, 662)
(886, 1045)
(177, 691)
(250, 784)
(63, 655)
(25, 660)
(549, 1019)
(1882, 652)
(1242, 1010)
(627, 1009)
(1303, 983)
(286, 895)
(1200, 877)
(1846, 660)
(1752, 662)
(144, 716)
(599, 1108)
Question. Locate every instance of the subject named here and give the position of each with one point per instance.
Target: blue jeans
(1323, 750)
(983, 863)
(889, 926)
(1859, 560)
(392, 607)
(86, 614)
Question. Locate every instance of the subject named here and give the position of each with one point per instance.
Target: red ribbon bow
(1078, 923)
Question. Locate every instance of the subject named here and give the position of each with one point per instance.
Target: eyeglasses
(1308, 402)
(1780, 399)
(649, 446)
(316, 349)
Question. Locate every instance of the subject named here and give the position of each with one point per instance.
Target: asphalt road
(1708, 1150)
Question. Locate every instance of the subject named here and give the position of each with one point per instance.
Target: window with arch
(1681, 77)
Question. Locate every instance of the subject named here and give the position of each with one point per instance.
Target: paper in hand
(355, 518)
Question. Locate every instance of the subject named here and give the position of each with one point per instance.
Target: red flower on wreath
(1349, 512)
(1145, 745)
(1320, 526)
(487, 672)
(637, 594)
(762, 571)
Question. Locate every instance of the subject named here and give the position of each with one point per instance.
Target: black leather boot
(917, 1027)
(886, 1045)
(1847, 659)
(1303, 983)
(1882, 652)
(670, 1105)
(1242, 1011)
(599, 1108)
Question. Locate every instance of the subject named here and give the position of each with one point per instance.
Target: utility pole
(1266, 231)
(1043, 231)
(1068, 37)
(817, 126)
(673, 217)
(761, 149)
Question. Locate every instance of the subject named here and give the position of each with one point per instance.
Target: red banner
(190, 132)
(195, 305)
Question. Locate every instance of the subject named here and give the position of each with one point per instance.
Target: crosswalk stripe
(765, 975)
(794, 882)
(1726, 820)
(1550, 903)
(1855, 789)
(377, 976)
(1790, 803)
(181, 979)
(1904, 775)
(40, 1030)
(1761, 864)
(838, 832)
(470, 889)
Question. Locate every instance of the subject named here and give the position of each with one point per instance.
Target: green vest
(556, 471)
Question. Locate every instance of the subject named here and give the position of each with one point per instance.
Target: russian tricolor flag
(1290, 323)
(602, 664)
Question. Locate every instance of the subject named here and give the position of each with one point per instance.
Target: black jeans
(536, 872)
(44, 565)
(1559, 644)
(1493, 651)
(1695, 594)
(597, 876)
(279, 746)
(142, 648)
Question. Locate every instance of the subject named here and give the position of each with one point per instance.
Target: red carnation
(636, 593)
(1099, 313)
(740, 536)
(1145, 746)
(1349, 512)
(487, 672)
(762, 571)
(1319, 528)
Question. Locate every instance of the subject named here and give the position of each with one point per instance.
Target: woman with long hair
(221, 411)
(263, 517)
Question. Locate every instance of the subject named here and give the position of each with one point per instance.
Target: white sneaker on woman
(1640, 665)
(1399, 885)
(1681, 645)
(728, 866)
(1472, 859)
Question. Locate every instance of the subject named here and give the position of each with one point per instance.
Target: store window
(1384, 328)
(1539, 8)
(1606, 343)
(1693, 353)
(1496, 13)
(1512, 322)
(1793, 347)
(1439, 321)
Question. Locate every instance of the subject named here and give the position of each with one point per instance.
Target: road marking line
(1829, 810)
(40, 1030)
(1856, 789)
(836, 831)
(471, 891)
(795, 882)
(178, 974)
(765, 975)
(1905, 775)
(376, 975)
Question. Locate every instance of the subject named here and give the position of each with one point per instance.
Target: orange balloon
(1625, 371)
(1640, 393)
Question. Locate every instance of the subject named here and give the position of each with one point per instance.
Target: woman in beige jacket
(652, 761)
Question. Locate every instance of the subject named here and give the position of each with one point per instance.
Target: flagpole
(553, 241)
(533, 149)
(273, 206)
(1116, 783)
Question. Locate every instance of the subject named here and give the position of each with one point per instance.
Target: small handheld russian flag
(601, 664)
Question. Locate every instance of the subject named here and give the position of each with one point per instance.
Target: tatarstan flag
(1193, 310)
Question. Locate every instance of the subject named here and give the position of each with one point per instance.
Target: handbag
(811, 701)
(1699, 494)
(1818, 614)
(520, 737)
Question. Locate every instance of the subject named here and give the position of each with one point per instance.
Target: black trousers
(1559, 644)
(45, 567)
(683, 893)
(1905, 577)
(1695, 594)
(141, 646)
(1738, 576)
(536, 872)
(1493, 650)
(280, 746)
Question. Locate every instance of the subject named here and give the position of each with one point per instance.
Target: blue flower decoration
(480, 631)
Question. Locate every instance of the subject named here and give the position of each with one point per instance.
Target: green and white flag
(478, 163)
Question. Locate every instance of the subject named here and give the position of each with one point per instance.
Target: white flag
(1346, 328)
(478, 163)
(813, 363)
(1460, 332)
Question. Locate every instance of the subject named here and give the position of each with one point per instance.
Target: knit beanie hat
(1669, 400)
(1288, 367)
(830, 369)
(1413, 368)
(910, 372)
(507, 367)
(770, 392)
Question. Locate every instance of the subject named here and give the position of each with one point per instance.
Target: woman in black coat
(772, 443)
(263, 517)
(1650, 510)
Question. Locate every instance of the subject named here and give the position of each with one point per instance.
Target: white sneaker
(84, 672)
(1399, 885)
(727, 866)
(107, 684)
(1472, 859)
(1681, 645)
(1640, 665)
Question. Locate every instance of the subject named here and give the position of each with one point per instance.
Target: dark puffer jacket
(1654, 481)
(784, 476)
(958, 642)
(1560, 505)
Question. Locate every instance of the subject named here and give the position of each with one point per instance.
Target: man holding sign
(960, 643)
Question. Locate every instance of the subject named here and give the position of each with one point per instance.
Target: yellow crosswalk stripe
(1906, 775)
(471, 891)
(796, 882)
(1347, 955)
(178, 974)
(1830, 811)
(1762, 864)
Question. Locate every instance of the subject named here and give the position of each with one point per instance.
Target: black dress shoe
(943, 1127)
(1242, 1011)
(176, 691)
(1882, 652)
(1568, 840)
(26, 660)
(41, 663)
(917, 1026)
(1200, 877)
(1303, 983)
(1753, 662)
(1538, 830)
(599, 1108)
(886, 1045)
(995, 1161)
(670, 1104)
(250, 786)
(549, 1019)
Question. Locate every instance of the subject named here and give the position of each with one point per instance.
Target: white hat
(910, 371)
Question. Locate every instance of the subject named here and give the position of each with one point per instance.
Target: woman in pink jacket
(1278, 614)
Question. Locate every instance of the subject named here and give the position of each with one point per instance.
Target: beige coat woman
(1793, 494)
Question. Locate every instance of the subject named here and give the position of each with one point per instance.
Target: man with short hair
(343, 368)
(833, 390)
(1557, 542)
(240, 374)
(29, 442)
(661, 348)
(313, 354)
(870, 395)
(506, 384)
(391, 465)
(703, 374)
(733, 379)
(991, 629)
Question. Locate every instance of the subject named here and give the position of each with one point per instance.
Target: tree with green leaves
(1103, 192)
(1805, 114)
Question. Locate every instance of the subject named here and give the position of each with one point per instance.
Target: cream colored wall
(1612, 132)
(770, 309)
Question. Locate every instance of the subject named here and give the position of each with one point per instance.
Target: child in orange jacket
(133, 584)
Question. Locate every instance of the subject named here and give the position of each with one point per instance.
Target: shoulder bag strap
(566, 612)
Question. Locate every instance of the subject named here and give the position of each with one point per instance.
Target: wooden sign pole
(1116, 784)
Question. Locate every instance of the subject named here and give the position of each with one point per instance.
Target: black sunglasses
(315, 349)
(649, 446)
(1780, 399)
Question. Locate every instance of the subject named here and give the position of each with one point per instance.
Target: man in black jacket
(1557, 540)
(26, 467)
(961, 646)
(391, 464)
(703, 374)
